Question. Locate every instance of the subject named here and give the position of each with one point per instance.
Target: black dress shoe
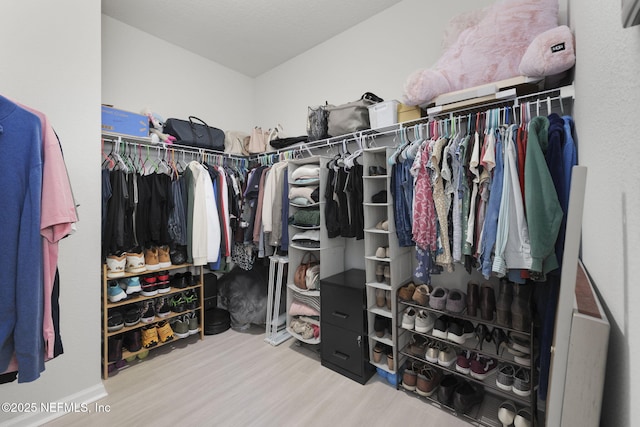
(466, 395)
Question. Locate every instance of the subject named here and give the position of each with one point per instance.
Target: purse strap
(192, 125)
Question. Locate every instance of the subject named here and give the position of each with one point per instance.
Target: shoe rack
(330, 252)
(393, 261)
(416, 352)
(131, 301)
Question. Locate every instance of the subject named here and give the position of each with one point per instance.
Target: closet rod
(130, 140)
(561, 93)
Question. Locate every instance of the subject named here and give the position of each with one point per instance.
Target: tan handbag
(300, 276)
(260, 139)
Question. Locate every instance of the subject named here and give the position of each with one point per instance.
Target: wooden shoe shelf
(330, 252)
(108, 305)
(397, 263)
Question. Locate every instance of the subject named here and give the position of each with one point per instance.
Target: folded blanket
(305, 217)
(306, 171)
(310, 193)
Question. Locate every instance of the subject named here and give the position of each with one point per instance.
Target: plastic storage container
(383, 114)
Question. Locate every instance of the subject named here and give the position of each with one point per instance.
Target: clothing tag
(557, 47)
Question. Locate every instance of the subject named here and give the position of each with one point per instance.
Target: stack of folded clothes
(304, 196)
(306, 218)
(306, 174)
(308, 238)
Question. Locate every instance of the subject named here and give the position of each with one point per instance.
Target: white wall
(607, 108)
(140, 70)
(375, 56)
(51, 62)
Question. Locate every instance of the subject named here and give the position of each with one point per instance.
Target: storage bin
(407, 113)
(125, 122)
(383, 114)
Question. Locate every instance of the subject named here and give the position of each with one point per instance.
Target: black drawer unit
(343, 317)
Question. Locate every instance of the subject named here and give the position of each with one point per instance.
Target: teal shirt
(544, 213)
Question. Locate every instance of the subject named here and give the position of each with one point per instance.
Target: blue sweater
(21, 276)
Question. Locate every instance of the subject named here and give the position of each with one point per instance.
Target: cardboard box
(407, 113)
(125, 122)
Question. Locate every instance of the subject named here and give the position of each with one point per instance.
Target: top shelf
(172, 267)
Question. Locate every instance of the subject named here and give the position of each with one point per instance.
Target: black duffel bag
(187, 132)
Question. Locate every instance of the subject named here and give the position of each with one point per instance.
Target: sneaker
(433, 351)
(132, 316)
(424, 321)
(149, 285)
(148, 312)
(163, 282)
(151, 259)
(149, 336)
(463, 362)
(162, 307)
(380, 252)
(115, 265)
(504, 379)
(180, 326)
(115, 292)
(178, 280)
(521, 382)
(164, 261)
(428, 380)
(115, 322)
(177, 303)
(447, 357)
(410, 377)
(418, 345)
(191, 299)
(133, 286)
(454, 331)
(135, 261)
(165, 333)
(482, 366)
(194, 326)
(409, 318)
(441, 326)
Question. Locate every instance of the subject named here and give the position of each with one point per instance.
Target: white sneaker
(135, 262)
(115, 265)
(380, 252)
(409, 318)
(424, 321)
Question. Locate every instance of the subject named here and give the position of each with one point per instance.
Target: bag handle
(371, 97)
(193, 129)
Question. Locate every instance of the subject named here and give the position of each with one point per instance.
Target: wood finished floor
(236, 379)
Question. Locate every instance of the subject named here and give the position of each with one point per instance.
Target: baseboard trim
(79, 401)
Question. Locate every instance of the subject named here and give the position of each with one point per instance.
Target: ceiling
(248, 36)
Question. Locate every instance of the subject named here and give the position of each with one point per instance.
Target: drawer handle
(341, 355)
(340, 315)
